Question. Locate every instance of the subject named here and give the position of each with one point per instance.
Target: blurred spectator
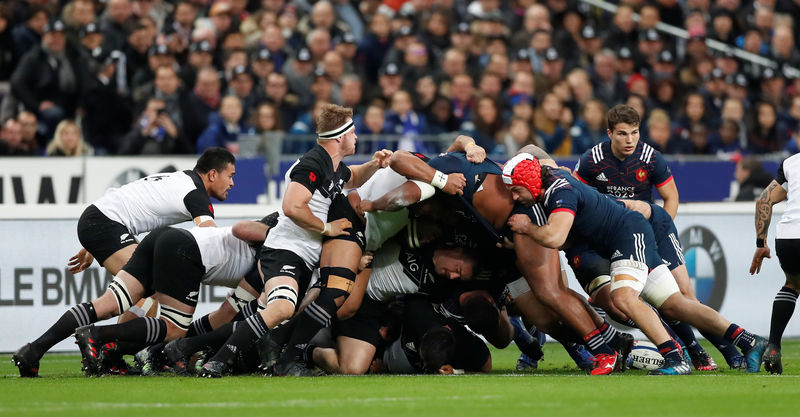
(299, 71)
(225, 127)
(727, 142)
(374, 47)
(322, 88)
(31, 138)
(461, 90)
(273, 41)
(404, 121)
(11, 143)
(733, 110)
(665, 95)
(155, 133)
(701, 139)
(425, 92)
(441, 118)
(68, 141)
(520, 134)
(136, 51)
(91, 37)
(486, 126)
(590, 129)
(202, 101)
(605, 81)
(537, 17)
(107, 115)
(790, 123)
(773, 87)
(117, 15)
(623, 30)
(201, 55)
(764, 136)
(694, 113)
(28, 35)
(262, 65)
(660, 134)
(552, 70)
(751, 178)
(49, 79)
(277, 92)
(723, 27)
(267, 123)
(590, 44)
(241, 86)
(552, 121)
(7, 58)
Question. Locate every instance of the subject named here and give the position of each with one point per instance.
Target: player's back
(457, 162)
(154, 201)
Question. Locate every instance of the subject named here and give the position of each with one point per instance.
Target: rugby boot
(772, 360)
(580, 356)
(754, 355)
(177, 359)
(26, 361)
(673, 367)
(626, 344)
(299, 369)
(604, 364)
(526, 364)
(702, 361)
(113, 363)
(151, 360)
(91, 354)
(214, 369)
(737, 362)
(269, 351)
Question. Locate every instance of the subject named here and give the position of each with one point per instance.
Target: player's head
(522, 174)
(623, 129)
(454, 262)
(335, 123)
(437, 348)
(216, 166)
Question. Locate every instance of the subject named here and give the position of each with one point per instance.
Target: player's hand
(455, 184)
(82, 260)
(640, 206)
(382, 156)
(365, 261)
(758, 257)
(338, 227)
(520, 223)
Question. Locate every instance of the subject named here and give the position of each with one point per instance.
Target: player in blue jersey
(578, 212)
(628, 168)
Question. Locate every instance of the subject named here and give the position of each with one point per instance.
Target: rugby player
(577, 211)
(783, 187)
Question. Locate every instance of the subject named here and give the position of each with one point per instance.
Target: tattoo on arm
(764, 211)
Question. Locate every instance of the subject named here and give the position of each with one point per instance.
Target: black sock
(131, 348)
(247, 310)
(630, 323)
(782, 309)
(200, 326)
(316, 316)
(671, 332)
(211, 340)
(246, 333)
(727, 349)
(596, 344)
(80, 315)
(147, 330)
(686, 334)
(740, 337)
(670, 350)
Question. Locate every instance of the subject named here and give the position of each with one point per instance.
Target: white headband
(508, 168)
(339, 131)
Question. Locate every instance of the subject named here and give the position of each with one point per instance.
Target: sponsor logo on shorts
(617, 254)
(287, 269)
(125, 238)
(192, 296)
(705, 261)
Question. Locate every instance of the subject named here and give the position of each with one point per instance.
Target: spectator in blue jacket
(590, 129)
(225, 127)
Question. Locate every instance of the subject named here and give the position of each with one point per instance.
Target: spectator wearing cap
(261, 65)
(232, 59)
(241, 85)
(623, 29)
(403, 37)
(590, 43)
(137, 55)
(650, 45)
(772, 88)
(553, 121)
(49, 79)
(537, 17)
(114, 21)
(28, 34)
(626, 64)
(552, 71)
(154, 133)
(607, 84)
(107, 115)
(201, 55)
(273, 41)
(590, 128)
(713, 91)
(346, 48)
(462, 39)
(372, 50)
(736, 87)
(726, 61)
(299, 71)
(521, 107)
(91, 38)
(664, 66)
(225, 127)
(389, 81)
(157, 56)
(520, 62)
(201, 102)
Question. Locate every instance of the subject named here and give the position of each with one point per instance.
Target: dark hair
(480, 314)
(214, 158)
(622, 113)
(437, 348)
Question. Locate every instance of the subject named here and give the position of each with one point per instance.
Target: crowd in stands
(130, 77)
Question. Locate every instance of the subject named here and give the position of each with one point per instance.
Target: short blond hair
(332, 117)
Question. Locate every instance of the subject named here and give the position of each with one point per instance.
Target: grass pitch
(556, 389)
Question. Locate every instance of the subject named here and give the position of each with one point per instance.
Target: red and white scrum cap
(524, 170)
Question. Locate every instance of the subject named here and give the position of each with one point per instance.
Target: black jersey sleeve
(780, 178)
(310, 172)
(198, 204)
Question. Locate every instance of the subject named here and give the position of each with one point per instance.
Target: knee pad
(659, 287)
(338, 278)
(121, 294)
(180, 319)
(636, 285)
(597, 283)
(634, 269)
(238, 298)
(281, 292)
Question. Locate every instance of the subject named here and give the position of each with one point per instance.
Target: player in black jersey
(293, 246)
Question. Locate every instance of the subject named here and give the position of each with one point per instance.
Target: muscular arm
(295, 207)
(466, 144)
(551, 235)
(772, 195)
(359, 174)
(414, 168)
(396, 199)
(204, 221)
(250, 231)
(669, 193)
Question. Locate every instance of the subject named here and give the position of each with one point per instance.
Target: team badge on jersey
(576, 261)
(312, 176)
(641, 175)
